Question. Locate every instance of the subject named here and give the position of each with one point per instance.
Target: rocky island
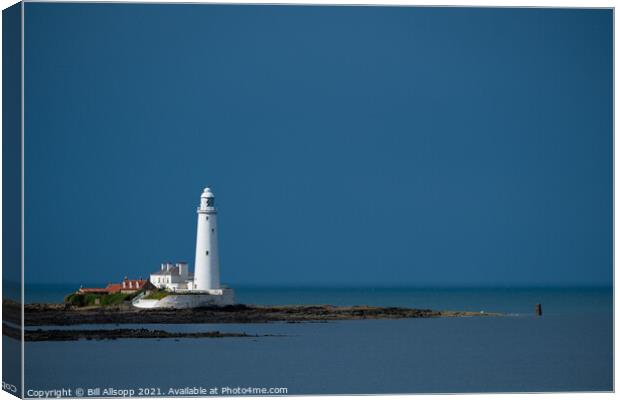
(65, 314)
(51, 314)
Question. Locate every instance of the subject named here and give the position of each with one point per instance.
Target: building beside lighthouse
(172, 276)
(202, 287)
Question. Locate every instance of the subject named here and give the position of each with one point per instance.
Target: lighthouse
(207, 265)
(203, 289)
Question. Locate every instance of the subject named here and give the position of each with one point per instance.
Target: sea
(569, 348)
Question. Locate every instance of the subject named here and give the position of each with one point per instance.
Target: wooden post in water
(538, 311)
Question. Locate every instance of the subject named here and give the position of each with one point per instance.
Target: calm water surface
(568, 349)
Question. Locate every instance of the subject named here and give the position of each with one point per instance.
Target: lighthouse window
(211, 202)
(212, 229)
(207, 252)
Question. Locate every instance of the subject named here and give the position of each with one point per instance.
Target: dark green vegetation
(156, 295)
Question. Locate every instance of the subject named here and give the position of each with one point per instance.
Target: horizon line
(371, 286)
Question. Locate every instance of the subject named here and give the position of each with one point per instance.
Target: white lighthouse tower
(204, 288)
(207, 266)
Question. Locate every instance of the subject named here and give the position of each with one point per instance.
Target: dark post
(538, 310)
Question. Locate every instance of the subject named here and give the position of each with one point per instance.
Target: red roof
(93, 290)
(113, 288)
(127, 284)
(133, 284)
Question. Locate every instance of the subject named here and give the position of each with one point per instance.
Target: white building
(172, 276)
(204, 285)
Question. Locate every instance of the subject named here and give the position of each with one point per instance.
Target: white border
(428, 3)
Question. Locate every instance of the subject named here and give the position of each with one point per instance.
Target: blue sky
(358, 146)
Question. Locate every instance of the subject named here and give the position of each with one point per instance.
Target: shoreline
(59, 314)
(58, 335)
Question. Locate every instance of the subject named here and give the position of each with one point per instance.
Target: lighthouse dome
(207, 193)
